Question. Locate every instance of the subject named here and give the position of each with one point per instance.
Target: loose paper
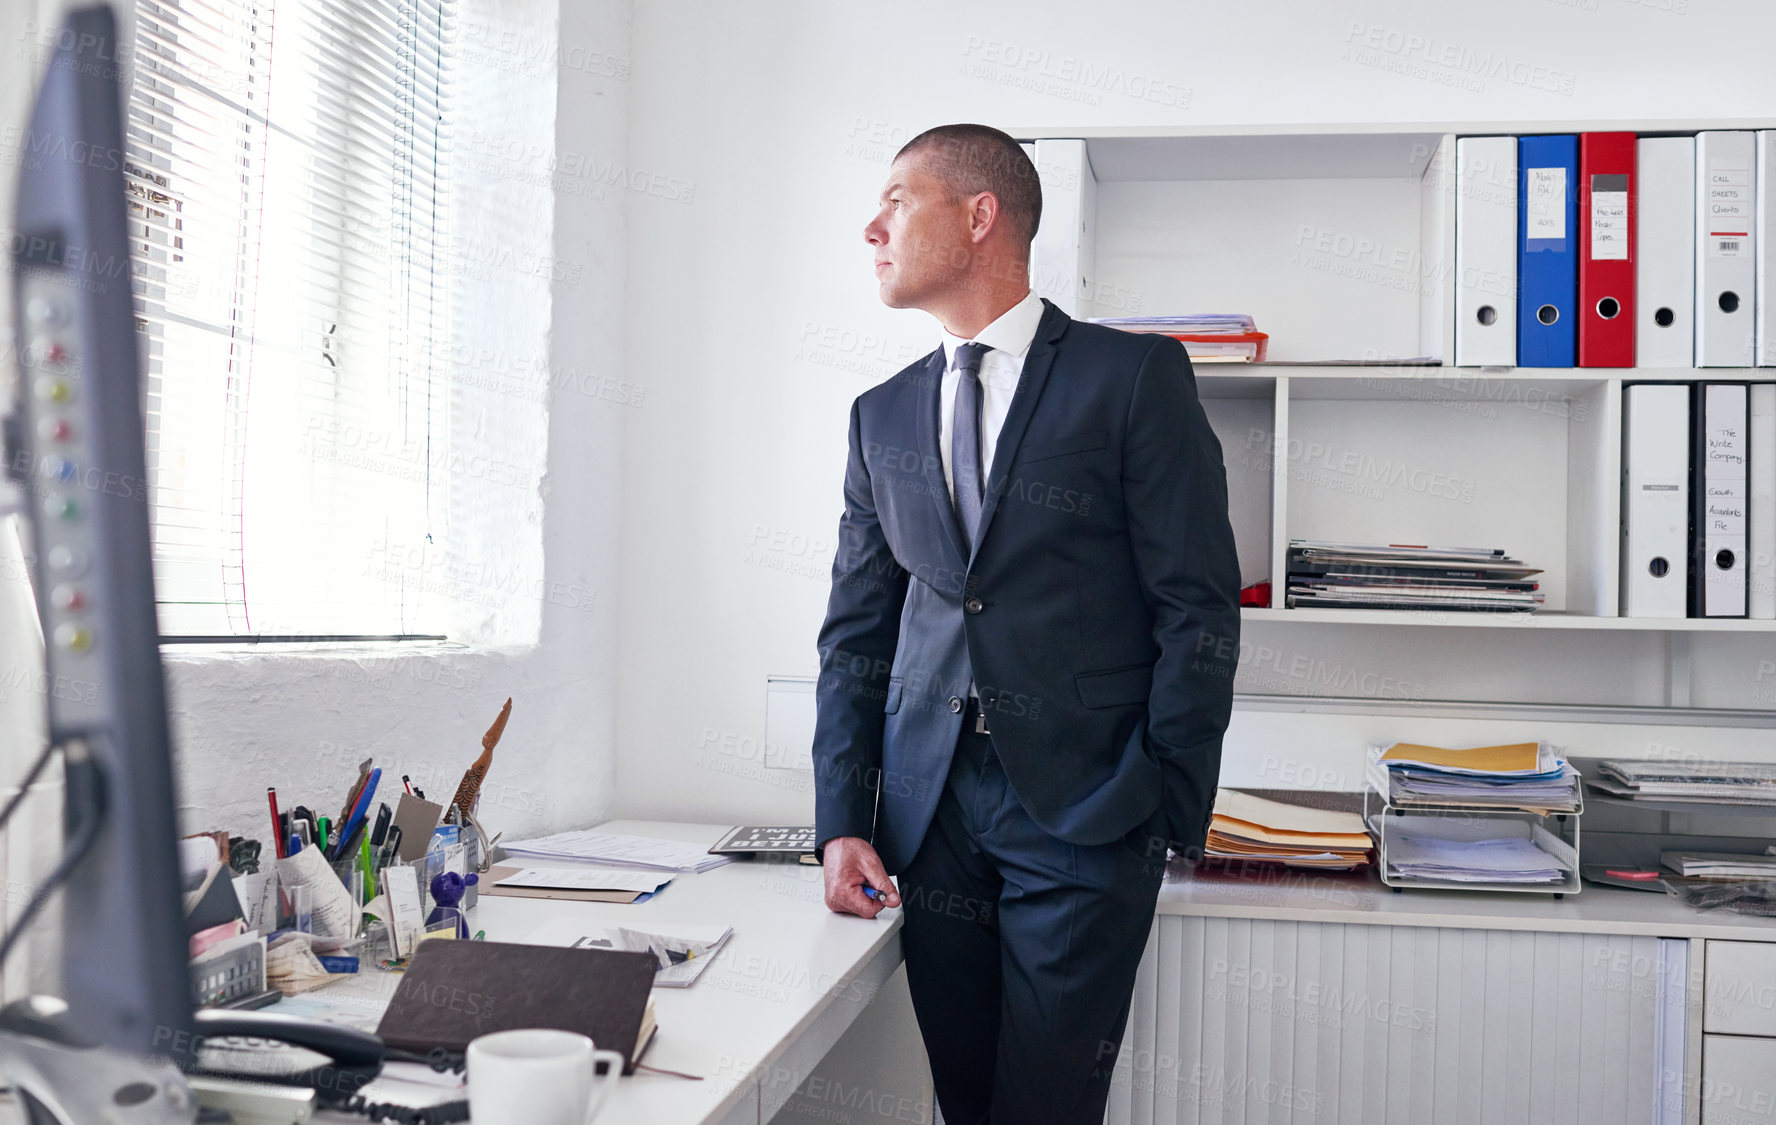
(588, 879)
(258, 899)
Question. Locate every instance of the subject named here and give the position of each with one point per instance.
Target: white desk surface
(1306, 896)
(788, 983)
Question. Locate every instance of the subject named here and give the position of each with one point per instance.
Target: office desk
(788, 983)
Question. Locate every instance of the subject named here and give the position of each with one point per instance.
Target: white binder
(1655, 499)
(1486, 252)
(1726, 267)
(1760, 578)
(1718, 520)
(1665, 252)
(1765, 193)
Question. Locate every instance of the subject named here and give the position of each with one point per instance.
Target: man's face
(921, 239)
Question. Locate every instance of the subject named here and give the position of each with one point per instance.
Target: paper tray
(1381, 784)
(1483, 824)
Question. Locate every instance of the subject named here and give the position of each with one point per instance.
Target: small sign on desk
(772, 839)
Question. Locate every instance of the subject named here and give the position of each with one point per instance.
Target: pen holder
(335, 915)
(375, 945)
(296, 909)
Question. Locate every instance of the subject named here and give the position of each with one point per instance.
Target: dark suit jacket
(1099, 613)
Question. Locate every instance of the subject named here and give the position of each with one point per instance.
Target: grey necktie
(965, 440)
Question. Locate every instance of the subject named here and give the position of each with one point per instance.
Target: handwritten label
(1545, 203)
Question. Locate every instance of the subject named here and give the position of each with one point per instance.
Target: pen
(380, 832)
(295, 845)
(277, 835)
(390, 845)
(322, 834)
(871, 891)
(306, 825)
(407, 783)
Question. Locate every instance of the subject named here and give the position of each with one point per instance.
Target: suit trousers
(1021, 950)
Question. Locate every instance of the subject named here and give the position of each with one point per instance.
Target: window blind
(288, 213)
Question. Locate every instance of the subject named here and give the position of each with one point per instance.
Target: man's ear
(983, 215)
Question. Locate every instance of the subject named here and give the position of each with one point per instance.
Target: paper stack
(1722, 783)
(1207, 337)
(616, 848)
(1521, 775)
(1505, 859)
(1245, 827)
(1719, 865)
(1355, 576)
(577, 882)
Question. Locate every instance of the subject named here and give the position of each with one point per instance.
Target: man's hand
(850, 862)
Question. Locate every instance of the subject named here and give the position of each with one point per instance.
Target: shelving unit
(1340, 242)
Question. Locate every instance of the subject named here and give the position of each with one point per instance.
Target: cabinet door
(1266, 1021)
(1739, 988)
(1738, 1080)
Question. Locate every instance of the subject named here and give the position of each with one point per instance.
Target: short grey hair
(976, 158)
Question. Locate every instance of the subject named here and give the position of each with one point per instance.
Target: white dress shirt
(1009, 337)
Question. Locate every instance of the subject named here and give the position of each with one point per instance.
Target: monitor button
(74, 638)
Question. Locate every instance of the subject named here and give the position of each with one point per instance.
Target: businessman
(1027, 663)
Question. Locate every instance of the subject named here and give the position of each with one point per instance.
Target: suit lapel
(929, 401)
(1023, 404)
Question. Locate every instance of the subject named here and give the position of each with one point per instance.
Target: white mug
(537, 1077)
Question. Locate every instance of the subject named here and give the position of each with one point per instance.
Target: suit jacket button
(956, 704)
(973, 605)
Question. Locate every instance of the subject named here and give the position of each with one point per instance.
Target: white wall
(754, 317)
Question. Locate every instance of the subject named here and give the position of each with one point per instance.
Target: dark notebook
(454, 991)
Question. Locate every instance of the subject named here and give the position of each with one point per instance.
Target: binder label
(1609, 218)
(1725, 454)
(1726, 517)
(1729, 208)
(1545, 203)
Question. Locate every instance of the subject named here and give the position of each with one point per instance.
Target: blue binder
(1547, 251)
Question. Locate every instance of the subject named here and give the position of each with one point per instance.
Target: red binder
(1607, 208)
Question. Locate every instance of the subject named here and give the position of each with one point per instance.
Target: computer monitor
(74, 446)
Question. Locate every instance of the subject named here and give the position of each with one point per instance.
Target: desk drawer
(1738, 1080)
(1739, 988)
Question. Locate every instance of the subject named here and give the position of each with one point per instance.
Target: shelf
(1684, 808)
(1432, 373)
(1238, 383)
(1484, 620)
(1303, 156)
(1286, 132)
